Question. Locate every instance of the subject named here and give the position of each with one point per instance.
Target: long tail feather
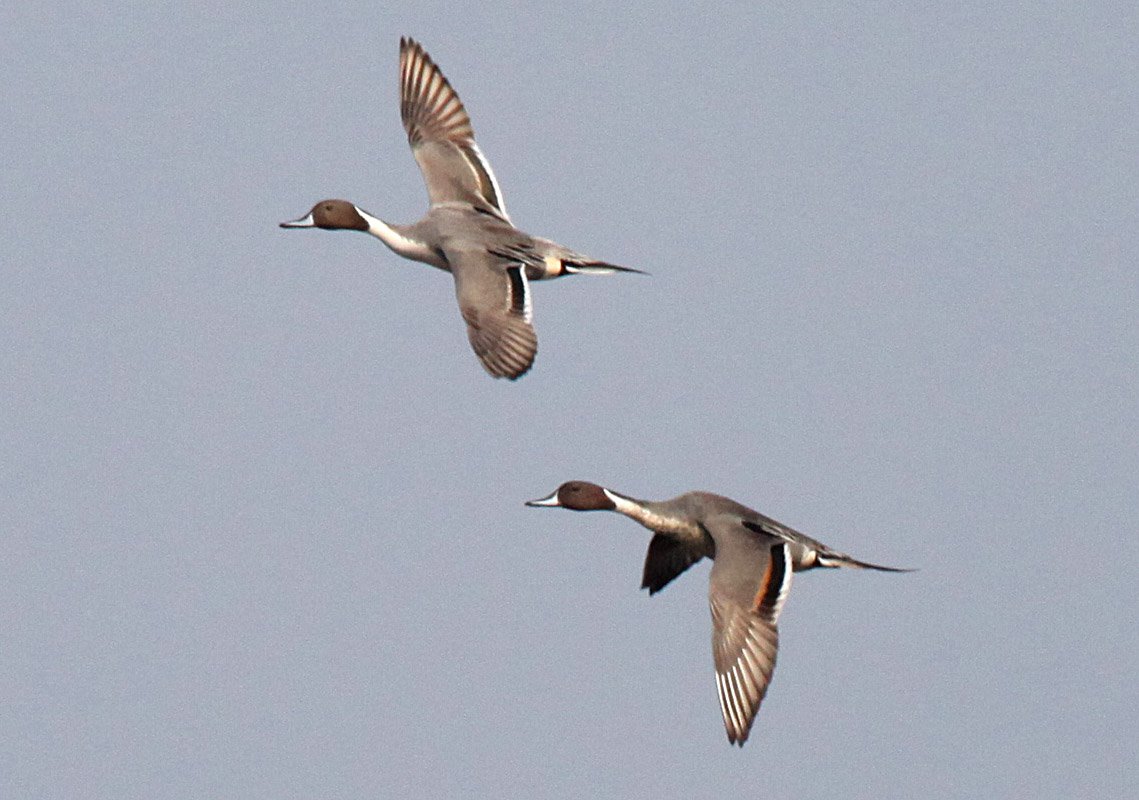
(841, 560)
(597, 268)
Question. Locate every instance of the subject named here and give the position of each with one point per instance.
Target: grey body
(466, 230)
(754, 558)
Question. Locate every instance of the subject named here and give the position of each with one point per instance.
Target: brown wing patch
(775, 585)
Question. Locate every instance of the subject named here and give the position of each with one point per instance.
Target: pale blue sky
(264, 533)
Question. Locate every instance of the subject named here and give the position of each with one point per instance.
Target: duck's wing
(746, 595)
(440, 134)
(669, 556)
(494, 300)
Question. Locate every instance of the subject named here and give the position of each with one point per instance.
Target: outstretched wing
(495, 304)
(745, 638)
(669, 556)
(440, 134)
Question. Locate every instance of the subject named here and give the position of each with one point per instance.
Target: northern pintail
(466, 231)
(754, 558)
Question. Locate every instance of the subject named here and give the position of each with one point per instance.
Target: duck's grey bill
(552, 500)
(303, 222)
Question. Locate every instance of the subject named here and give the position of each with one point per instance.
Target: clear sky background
(262, 509)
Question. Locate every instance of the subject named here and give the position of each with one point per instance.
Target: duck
(753, 557)
(466, 230)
